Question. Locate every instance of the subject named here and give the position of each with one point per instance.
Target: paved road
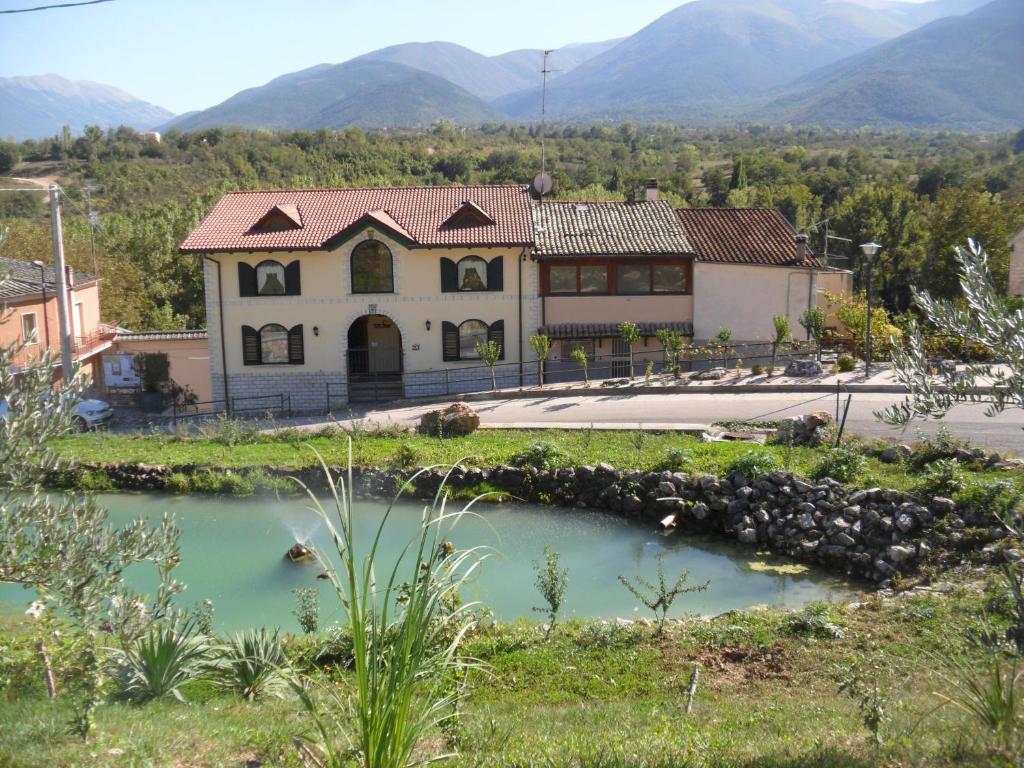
(1005, 432)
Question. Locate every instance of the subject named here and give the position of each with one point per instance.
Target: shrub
(252, 664)
(159, 662)
(675, 460)
(944, 477)
(845, 363)
(307, 609)
(999, 499)
(179, 482)
(542, 455)
(815, 620)
(753, 464)
(551, 582)
(406, 456)
(94, 480)
(757, 369)
(658, 598)
(843, 464)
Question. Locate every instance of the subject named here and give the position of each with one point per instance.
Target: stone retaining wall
(873, 534)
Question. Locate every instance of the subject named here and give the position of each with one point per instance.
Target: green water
(232, 553)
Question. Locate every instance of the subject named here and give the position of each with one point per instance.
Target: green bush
(814, 620)
(675, 460)
(406, 456)
(999, 498)
(179, 483)
(753, 464)
(157, 664)
(944, 477)
(542, 455)
(845, 363)
(844, 464)
(94, 480)
(253, 664)
(757, 369)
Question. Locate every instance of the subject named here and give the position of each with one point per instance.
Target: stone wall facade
(299, 391)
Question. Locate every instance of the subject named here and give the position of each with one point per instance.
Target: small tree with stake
(780, 324)
(813, 320)
(541, 346)
(631, 335)
(489, 353)
(579, 355)
(673, 343)
(659, 597)
(551, 581)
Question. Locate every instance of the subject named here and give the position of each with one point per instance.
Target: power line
(60, 5)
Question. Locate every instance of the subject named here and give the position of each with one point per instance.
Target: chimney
(651, 190)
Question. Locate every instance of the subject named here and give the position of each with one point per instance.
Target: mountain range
(942, 64)
(38, 106)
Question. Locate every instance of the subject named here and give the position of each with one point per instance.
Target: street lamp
(42, 283)
(870, 252)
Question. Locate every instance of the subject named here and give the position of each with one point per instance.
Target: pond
(233, 553)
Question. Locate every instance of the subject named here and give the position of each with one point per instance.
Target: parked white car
(89, 414)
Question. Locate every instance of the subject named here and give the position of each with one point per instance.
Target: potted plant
(153, 369)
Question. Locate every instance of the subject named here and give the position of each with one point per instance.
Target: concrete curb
(701, 389)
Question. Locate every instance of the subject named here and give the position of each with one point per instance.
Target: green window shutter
(496, 274)
(246, 280)
(292, 279)
(496, 332)
(450, 341)
(449, 276)
(250, 346)
(296, 347)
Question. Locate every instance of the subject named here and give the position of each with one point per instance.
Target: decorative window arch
(472, 273)
(459, 341)
(269, 278)
(273, 344)
(373, 269)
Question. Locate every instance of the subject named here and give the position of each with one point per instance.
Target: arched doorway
(374, 359)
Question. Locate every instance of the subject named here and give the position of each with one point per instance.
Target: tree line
(918, 194)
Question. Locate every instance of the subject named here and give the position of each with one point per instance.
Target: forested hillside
(917, 194)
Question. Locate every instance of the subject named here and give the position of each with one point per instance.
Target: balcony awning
(610, 330)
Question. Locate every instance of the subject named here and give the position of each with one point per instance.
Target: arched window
(471, 333)
(472, 273)
(270, 279)
(273, 344)
(372, 268)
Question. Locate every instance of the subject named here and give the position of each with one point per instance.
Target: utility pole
(544, 111)
(60, 286)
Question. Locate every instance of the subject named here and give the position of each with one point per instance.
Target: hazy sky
(191, 54)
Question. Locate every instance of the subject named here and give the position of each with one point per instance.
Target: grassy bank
(602, 695)
(294, 449)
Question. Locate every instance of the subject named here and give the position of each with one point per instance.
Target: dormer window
(469, 214)
(281, 218)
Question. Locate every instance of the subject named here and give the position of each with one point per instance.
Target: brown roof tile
(565, 228)
(328, 214)
(745, 236)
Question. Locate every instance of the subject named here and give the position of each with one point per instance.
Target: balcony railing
(84, 345)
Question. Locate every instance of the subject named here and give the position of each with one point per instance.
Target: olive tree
(62, 547)
(984, 319)
(541, 346)
(814, 321)
(630, 335)
(489, 353)
(780, 326)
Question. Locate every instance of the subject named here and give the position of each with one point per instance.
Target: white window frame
(35, 328)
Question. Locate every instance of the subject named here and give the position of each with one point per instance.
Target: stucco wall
(327, 304)
(744, 298)
(1017, 265)
(618, 309)
(189, 361)
(11, 323)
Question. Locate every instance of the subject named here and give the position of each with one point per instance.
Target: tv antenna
(828, 238)
(543, 183)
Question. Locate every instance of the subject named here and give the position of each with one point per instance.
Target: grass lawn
(292, 449)
(601, 695)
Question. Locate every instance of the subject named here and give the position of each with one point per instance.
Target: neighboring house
(1017, 264)
(326, 297)
(330, 295)
(752, 264)
(188, 353)
(28, 314)
(602, 263)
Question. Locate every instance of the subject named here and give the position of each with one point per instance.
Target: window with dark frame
(472, 274)
(570, 345)
(459, 341)
(617, 278)
(273, 344)
(372, 268)
(269, 278)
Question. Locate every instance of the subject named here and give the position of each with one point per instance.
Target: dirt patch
(726, 667)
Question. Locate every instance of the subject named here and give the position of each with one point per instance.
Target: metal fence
(279, 405)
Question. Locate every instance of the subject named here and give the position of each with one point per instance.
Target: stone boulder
(797, 368)
(803, 430)
(711, 374)
(457, 420)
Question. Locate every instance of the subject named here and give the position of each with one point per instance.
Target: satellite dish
(543, 184)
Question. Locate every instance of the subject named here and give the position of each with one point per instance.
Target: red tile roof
(745, 236)
(415, 213)
(568, 228)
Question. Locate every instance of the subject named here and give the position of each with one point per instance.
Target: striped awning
(609, 330)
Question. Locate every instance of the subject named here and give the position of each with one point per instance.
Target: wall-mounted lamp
(316, 330)
(427, 324)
